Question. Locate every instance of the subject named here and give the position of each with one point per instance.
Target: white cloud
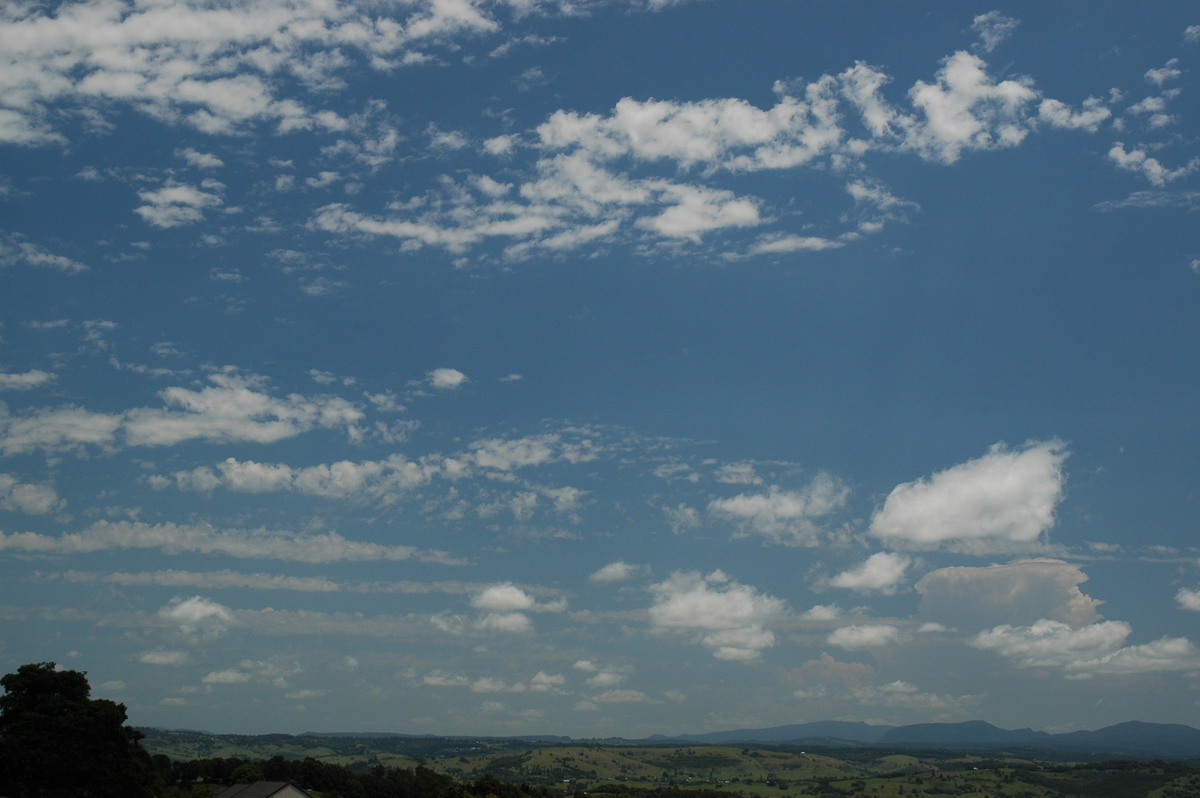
(599, 177)
(445, 379)
(442, 679)
(906, 695)
(29, 498)
(964, 109)
(787, 517)
(230, 676)
(620, 697)
(200, 160)
(729, 618)
(501, 454)
(606, 679)
(543, 682)
(175, 204)
(865, 636)
(16, 251)
(993, 28)
(1005, 497)
(211, 68)
(1137, 160)
(502, 598)
(198, 619)
(1015, 593)
(212, 579)
(382, 480)
(234, 408)
(1058, 114)
(1168, 71)
(822, 613)
(881, 572)
(692, 211)
(25, 381)
(56, 429)
(504, 622)
(1094, 649)
(1188, 599)
(783, 243)
(182, 538)
(618, 571)
(161, 657)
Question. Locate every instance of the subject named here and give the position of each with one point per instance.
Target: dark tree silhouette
(56, 741)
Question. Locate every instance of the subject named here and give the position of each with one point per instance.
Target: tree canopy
(55, 740)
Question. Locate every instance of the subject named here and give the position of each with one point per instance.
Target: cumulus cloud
(507, 597)
(1021, 592)
(1167, 72)
(197, 618)
(445, 379)
(1188, 599)
(882, 572)
(788, 517)
(618, 571)
(729, 618)
(175, 205)
(503, 609)
(1007, 497)
(965, 109)
(859, 637)
(1138, 161)
(29, 498)
(1089, 117)
(1097, 648)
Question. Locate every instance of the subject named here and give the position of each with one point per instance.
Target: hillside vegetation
(701, 771)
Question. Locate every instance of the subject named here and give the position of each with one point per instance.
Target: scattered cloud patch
(16, 251)
(788, 517)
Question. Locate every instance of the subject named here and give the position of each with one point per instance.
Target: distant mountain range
(1134, 738)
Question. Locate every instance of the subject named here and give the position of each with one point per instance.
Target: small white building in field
(263, 789)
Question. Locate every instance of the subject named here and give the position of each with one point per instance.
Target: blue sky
(611, 367)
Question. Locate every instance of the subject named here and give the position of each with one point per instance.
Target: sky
(602, 367)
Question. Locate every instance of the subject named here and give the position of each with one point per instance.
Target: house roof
(259, 789)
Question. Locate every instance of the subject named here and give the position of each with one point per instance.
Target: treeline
(201, 777)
